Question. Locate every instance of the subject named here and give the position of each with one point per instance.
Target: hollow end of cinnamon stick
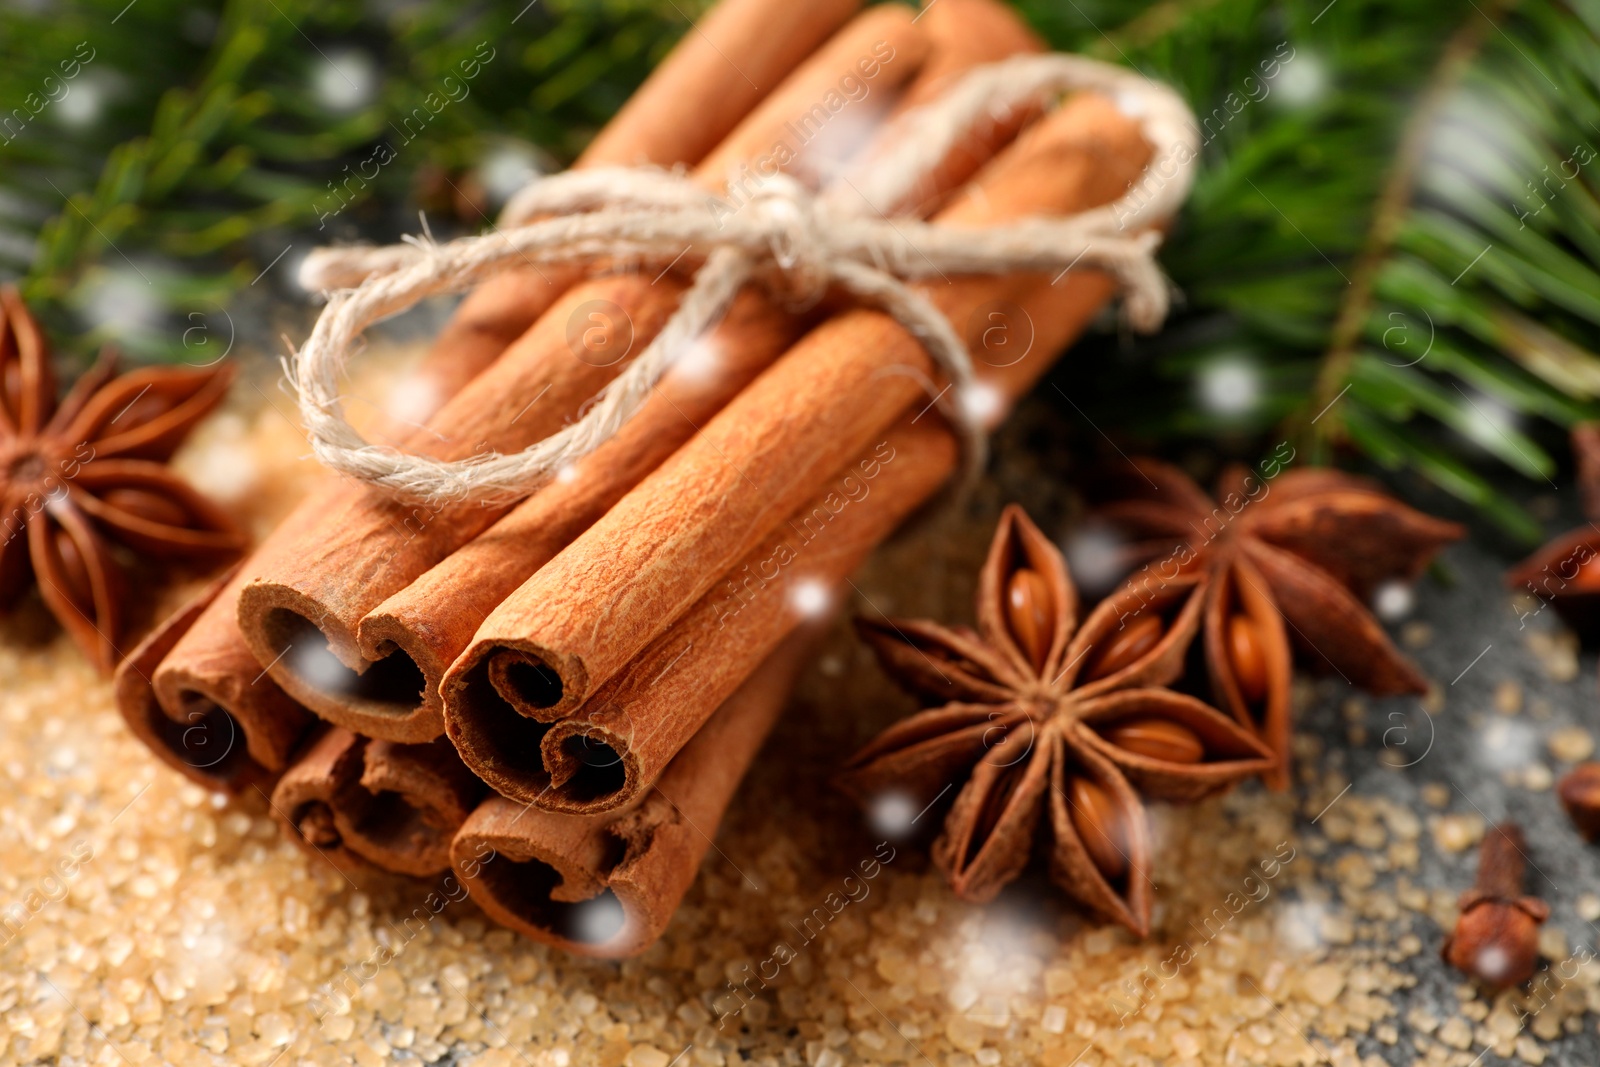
(302, 800)
(412, 800)
(190, 726)
(205, 744)
(406, 638)
(395, 806)
(628, 734)
(535, 683)
(603, 886)
(548, 876)
(232, 738)
(607, 885)
(584, 764)
(499, 744)
(320, 667)
(581, 762)
(593, 763)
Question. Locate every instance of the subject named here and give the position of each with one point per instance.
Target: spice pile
(1064, 731)
(189, 930)
(542, 710)
(575, 683)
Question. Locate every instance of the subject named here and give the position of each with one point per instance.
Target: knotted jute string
(785, 238)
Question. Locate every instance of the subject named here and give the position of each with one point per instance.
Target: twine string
(794, 243)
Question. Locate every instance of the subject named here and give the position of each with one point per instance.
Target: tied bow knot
(795, 224)
(793, 242)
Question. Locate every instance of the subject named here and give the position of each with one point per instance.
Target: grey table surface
(1482, 638)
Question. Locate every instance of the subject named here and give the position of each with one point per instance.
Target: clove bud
(1496, 939)
(1579, 791)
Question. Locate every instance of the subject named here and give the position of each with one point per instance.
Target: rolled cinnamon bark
(433, 619)
(206, 674)
(607, 885)
(352, 801)
(317, 587)
(585, 615)
(966, 34)
(707, 85)
(614, 750)
(199, 739)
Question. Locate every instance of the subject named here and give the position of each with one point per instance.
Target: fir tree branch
(1388, 216)
(1150, 26)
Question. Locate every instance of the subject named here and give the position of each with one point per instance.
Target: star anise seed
(1247, 658)
(1028, 611)
(1158, 739)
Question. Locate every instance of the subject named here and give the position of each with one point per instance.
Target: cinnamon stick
(199, 739)
(716, 76)
(197, 668)
(318, 586)
(966, 34)
(590, 611)
(355, 801)
(607, 885)
(433, 619)
(616, 748)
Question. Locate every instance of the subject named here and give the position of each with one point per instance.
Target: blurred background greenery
(1391, 256)
(178, 148)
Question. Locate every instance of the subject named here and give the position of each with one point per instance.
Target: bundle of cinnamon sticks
(574, 684)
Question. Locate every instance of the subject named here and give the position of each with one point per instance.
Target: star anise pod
(1292, 558)
(1565, 572)
(1045, 714)
(77, 475)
